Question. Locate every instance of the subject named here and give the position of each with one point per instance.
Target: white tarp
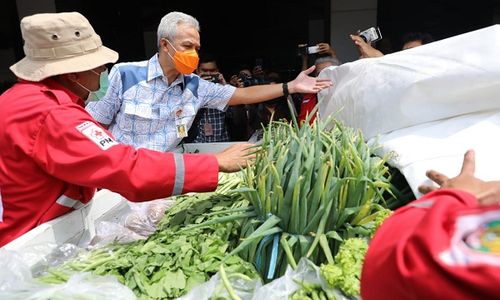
(428, 105)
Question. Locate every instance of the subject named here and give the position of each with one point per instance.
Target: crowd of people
(67, 128)
(55, 153)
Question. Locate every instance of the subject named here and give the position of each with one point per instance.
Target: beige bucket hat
(59, 43)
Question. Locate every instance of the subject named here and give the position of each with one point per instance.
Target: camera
(211, 77)
(214, 78)
(371, 35)
(312, 49)
(248, 80)
(303, 49)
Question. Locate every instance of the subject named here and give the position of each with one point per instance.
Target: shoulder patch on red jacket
(96, 134)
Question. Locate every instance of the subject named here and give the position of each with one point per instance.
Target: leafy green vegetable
(345, 273)
(192, 241)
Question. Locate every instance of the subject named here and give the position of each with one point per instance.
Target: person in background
(445, 244)
(209, 125)
(237, 117)
(260, 115)
(309, 101)
(152, 104)
(324, 50)
(54, 154)
(415, 39)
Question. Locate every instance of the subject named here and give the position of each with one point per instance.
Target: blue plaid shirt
(217, 121)
(141, 109)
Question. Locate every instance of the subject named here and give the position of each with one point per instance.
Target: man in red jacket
(54, 154)
(445, 245)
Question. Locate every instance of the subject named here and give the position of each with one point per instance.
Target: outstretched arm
(303, 83)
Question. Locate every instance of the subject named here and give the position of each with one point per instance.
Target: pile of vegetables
(179, 255)
(315, 191)
(312, 187)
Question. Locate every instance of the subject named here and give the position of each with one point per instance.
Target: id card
(208, 129)
(181, 130)
(180, 124)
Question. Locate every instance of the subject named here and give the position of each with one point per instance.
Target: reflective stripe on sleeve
(68, 202)
(423, 204)
(179, 174)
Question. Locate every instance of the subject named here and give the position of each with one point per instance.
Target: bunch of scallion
(312, 186)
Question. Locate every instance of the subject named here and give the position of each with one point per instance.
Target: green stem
(227, 285)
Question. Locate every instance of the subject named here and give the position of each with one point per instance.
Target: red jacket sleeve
(73, 147)
(419, 252)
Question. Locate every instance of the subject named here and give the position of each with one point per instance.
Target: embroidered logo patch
(96, 134)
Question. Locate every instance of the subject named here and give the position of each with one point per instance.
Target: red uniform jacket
(442, 246)
(53, 155)
(308, 103)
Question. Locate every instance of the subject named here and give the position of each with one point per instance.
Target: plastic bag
(145, 215)
(40, 257)
(278, 289)
(281, 288)
(16, 282)
(135, 223)
(214, 288)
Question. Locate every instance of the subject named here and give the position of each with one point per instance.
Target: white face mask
(103, 87)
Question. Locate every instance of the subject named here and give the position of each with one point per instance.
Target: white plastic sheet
(447, 78)
(426, 105)
(441, 146)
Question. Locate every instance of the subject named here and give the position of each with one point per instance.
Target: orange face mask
(185, 61)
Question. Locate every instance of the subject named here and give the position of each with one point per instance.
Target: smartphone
(304, 49)
(371, 35)
(312, 49)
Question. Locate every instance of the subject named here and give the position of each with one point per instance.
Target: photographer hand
(236, 81)
(486, 192)
(258, 72)
(325, 48)
(206, 75)
(365, 50)
(221, 78)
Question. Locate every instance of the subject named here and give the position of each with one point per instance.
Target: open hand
(487, 192)
(305, 84)
(236, 157)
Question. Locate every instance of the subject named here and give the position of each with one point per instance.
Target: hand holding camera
(365, 49)
(325, 48)
(304, 49)
(320, 48)
(247, 79)
(214, 77)
(236, 81)
(370, 35)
